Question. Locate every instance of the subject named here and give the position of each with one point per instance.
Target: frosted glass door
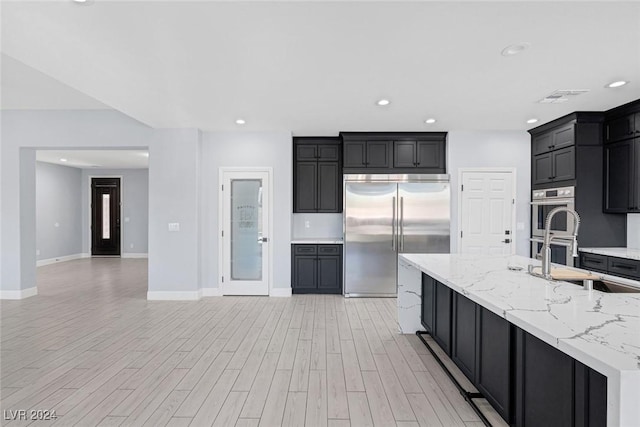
(245, 233)
(246, 229)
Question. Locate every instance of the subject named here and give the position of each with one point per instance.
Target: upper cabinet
(394, 152)
(622, 159)
(317, 175)
(561, 150)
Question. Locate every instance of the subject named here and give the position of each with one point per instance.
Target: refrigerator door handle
(401, 224)
(393, 223)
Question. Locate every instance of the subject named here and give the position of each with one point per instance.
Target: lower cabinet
(527, 381)
(316, 269)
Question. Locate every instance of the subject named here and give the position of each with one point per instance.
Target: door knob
(506, 241)
(263, 239)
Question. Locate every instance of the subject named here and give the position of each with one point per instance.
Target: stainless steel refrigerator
(385, 215)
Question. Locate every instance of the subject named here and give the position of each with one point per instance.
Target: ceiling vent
(562, 95)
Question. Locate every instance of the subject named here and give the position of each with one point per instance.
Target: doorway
(245, 231)
(105, 217)
(487, 212)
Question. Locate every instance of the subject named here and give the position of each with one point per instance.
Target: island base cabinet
(442, 317)
(495, 355)
(464, 345)
(428, 300)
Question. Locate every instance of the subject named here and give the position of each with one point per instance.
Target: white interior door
(245, 232)
(487, 213)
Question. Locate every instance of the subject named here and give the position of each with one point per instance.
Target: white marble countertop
(317, 241)
(601, 330)
(627, 253)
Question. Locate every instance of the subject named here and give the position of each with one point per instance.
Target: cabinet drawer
(328, 249)
(305, 249)
(624, 267)
(593, 262)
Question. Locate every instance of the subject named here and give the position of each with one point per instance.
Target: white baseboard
(211, 292)
(134, 255)
(61, 259)
(173, 295)
(20, 294)
(280, 292)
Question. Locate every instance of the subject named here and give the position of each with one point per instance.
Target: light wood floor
(91, 347)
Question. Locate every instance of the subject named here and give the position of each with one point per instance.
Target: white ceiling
(319, 67)
(100, 159)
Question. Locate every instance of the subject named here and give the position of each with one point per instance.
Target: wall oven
(560, 251)
(543, 202)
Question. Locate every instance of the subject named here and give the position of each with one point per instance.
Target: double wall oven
(543, 202)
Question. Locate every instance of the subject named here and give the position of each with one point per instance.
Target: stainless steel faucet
(548, 237)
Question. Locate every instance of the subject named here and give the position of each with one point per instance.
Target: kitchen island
(599, 330)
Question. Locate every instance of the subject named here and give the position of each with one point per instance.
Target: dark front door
(105, 216)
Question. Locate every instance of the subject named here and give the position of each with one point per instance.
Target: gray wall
(135, 208)
(58, 211)
(247, 149)
(22, 133)
(322, 225)
(485, 149)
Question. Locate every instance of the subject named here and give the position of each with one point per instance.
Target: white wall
(245, 149)
(467, 149)
(135, 208)
(58, 211)
(22, 133)
(633, 231)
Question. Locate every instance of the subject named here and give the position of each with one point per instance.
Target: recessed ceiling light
(430, 121)
(617, 83)
(383, 102)
(63, 160)
(530, 121)
(240, 122)
(515, 49)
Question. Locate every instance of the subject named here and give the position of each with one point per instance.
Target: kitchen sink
(608, 286)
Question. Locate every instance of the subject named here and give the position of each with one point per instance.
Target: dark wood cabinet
(428, 302)
(554, 166)
(367, 154)
(593, 262)
(545, 383)
(316, 269)
(442, 317)
(464, 346)
(622, 179)
(394, 152)
(622, 267)
(554, 139)
(317, 175)
(495, 361)
(621, 128)
(527, 381)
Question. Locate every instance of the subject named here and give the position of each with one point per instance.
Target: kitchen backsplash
(316, 225)
(633, 231)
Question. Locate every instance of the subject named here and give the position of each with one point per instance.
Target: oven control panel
(554, 193)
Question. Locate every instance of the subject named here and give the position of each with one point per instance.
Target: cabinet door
(430, 154)
(328, 152)
(355, 154)
(542, 168)
(428, 300)
(305, 186)
(306, 152)
(618, 170)
(619, 129)
(442, 323)
(404, 154)
(634, 177)
(494, 376)
(542, 143)
(563, 137)
(305, 273)
(330, 274)
(329, 188)
(564, 164)
(545, 382)
(593, 262)
(378, 154)
(463, 345)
